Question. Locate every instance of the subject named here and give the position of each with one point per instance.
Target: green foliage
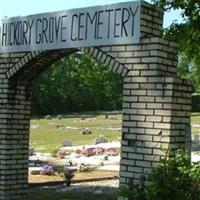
(54, 151)
(190, 69)
(187, 34)
(74, 84)
(173, 179)
(137, 193)
(83, 168)
(47, 135)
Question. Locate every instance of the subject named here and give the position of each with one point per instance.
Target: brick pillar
(156, 103)
(156, 107)
(14, 138)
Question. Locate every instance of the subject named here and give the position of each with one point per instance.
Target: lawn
(195, 120)
(44, 134)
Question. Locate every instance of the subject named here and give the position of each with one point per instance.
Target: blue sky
(11, 8)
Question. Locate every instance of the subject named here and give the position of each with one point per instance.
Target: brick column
(156, 107)
(156, 103)
(15, 108)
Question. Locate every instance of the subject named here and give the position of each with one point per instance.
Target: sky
(12, 8)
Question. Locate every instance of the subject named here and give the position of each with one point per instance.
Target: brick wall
(14, 138)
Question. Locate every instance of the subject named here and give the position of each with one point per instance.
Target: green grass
(47, 135)
(44, 134)
(195, 119)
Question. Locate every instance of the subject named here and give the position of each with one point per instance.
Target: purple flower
(47, 169)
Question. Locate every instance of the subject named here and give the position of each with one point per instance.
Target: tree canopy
(74, 84)
(187, 34)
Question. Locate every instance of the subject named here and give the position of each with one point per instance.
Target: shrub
(173, 179)
(54, 151)
(83, 168)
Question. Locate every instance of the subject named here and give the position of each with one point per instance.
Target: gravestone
(59, 117)
(48, 117)
(100, 140)
(67, 143)
(86, 131)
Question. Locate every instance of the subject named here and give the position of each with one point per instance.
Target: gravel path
(96, 187)
(105, 183)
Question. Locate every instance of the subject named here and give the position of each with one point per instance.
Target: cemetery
(145, 150)
(89, 149)
(92, 161)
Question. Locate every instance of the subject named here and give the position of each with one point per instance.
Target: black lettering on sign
(10, 25)
(57, 27)
(109, 24)
(10, 38)
(74, 16)
(17, 38)
(99, 23)
(90, 21)
(63, 28)
(16, 33)
(125, 19)
(116, 23)
(30, 25)
(24, 35)
(20, 36)
(38, 34)
(44, 30)
(133, 18)
(80, 25)
(4, 34)
(51, 29)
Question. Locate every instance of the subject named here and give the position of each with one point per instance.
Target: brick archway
(19, 70)
(31, 64)
(156, 103)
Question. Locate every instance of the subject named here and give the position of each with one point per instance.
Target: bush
(54, 151)
(173, 179)
(83, 168)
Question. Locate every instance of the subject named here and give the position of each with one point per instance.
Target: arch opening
(68, 130)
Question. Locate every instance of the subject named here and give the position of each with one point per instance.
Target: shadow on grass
(73, 193)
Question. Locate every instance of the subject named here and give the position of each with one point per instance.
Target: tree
(187, 34)
(76, 83)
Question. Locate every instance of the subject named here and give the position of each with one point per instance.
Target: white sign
(93, 26)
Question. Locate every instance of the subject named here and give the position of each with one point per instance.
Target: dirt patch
(79, 177)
